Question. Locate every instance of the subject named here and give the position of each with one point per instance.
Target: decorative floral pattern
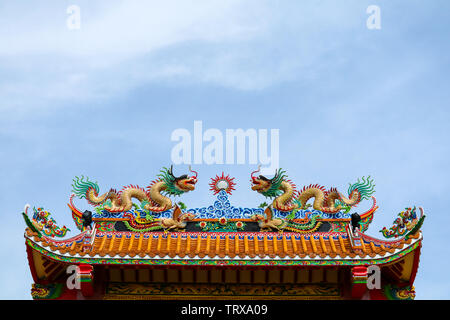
(395, 293)
(106, 226)
(243, 290)
(137, 213)
(222, 225)
(50, 291)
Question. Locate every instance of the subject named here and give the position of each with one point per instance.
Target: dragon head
(177, 185)
(268, 187)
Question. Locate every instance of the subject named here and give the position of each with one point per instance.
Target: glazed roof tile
(219, 245)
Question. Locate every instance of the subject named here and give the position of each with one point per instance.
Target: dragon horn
(277, 172)
(196, 174)
(259, 169)
(171, 173)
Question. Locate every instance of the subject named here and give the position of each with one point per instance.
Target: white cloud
(246, 45)
(126, 28)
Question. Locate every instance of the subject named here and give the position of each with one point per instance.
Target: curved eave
(387, 258)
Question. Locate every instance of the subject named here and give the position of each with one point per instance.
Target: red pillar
(359, 281)
(86, 280)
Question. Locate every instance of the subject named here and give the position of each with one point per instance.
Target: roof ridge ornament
(287, 198)
(407, 224)
(222, 182)
(43, 223)
(153, 199)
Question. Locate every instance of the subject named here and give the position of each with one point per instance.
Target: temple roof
(158, 234)
(134, 247)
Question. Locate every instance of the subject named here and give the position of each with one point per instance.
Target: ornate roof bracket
(89, 238)
(356, 240)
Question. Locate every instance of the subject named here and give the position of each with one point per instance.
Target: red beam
(415, 264)
(359, 282)
(31, 264)
(86, 278)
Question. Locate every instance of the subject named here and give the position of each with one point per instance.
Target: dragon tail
(365, 188)
(81, 187)
(312, 225)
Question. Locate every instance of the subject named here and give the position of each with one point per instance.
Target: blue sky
(103, 101)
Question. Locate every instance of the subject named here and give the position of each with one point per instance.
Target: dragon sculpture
(153, 198)
(287, 198)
